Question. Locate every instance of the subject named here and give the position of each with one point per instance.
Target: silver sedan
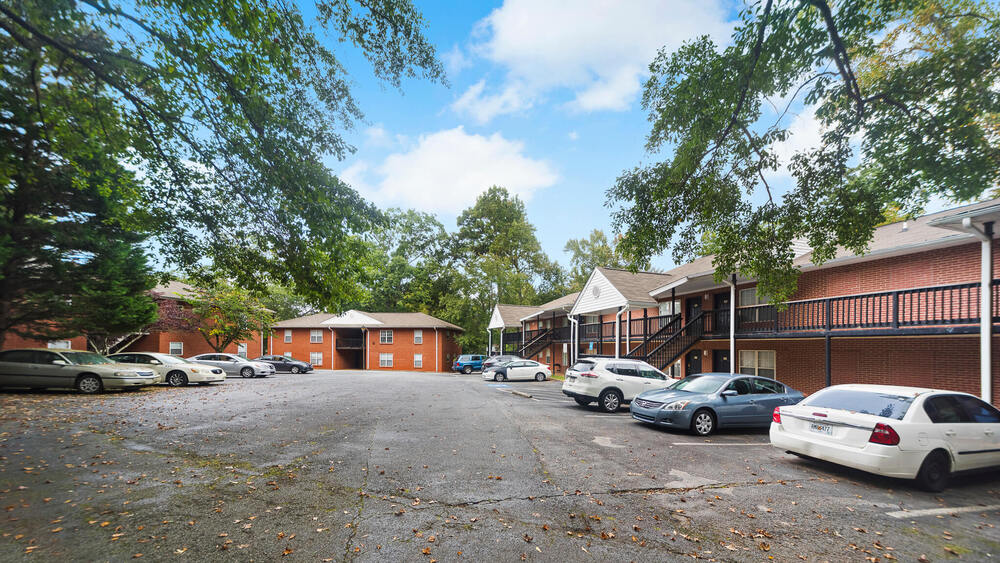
(234, 365)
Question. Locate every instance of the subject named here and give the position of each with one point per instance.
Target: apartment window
(757, 362)
(385, 360)
(288, 335)
(176, 348)
(385, 336)
(241, 349)
(418, 360)
(60, 344)
(749, 297)
(418, 336)
(316, 336)
(674, 370)
(316, 358)
(668, 308)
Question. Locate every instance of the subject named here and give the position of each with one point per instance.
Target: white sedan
(518, 369)
(906, 432)
(171, 370)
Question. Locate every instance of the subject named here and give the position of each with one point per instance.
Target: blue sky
(544, 100)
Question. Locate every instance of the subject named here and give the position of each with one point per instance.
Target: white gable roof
(496, 321)
(598, 294)
(351, 318)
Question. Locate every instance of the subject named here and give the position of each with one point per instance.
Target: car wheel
(703, 422)
(467, 370)
(177, 379)
(89, 384)
(246, 372)
(295, 369)
(610, 400)
(581, 402)
(500, 377)
(934, 472)
(539, 376)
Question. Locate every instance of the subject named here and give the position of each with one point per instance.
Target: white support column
(618, 332)
(732, 325)
(437, 355)
(489, 345)
(501, 340)
(573, 333)
(985, 307)
(628, 330)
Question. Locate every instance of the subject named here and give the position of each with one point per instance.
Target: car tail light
(776, 415)
(588, 374)
(884, 434)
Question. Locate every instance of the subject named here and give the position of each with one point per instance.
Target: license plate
(821, 429)
(570, 378)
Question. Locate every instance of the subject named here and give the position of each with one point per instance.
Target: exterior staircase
(666, 345)
(536, 344)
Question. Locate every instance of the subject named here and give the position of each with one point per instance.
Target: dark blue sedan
(714, 400)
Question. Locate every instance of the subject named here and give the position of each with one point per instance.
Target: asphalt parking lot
(335, 466)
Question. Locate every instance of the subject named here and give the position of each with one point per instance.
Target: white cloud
(445, 171)
(805, 132)
(573, 135)
(377, 136)
(596, 48)
(483, 108)
(455, 60)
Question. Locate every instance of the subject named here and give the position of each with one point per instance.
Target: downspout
(489, 339)
(501, 340)
(364, 334)
(333, 346)
(437, 355)
(573, 328)
(732, 325)
(618, 332)
(985, 306)
(628, 330)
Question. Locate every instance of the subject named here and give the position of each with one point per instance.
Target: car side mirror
(155, 362)
(729, 393)
(60, 362)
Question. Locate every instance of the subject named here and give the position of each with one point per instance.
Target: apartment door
(692, 362)
(692, 306)
(720, 304)
(720, 361)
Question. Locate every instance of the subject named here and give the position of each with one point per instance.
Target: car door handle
(949, 433)
(619, 379)
(988, 432)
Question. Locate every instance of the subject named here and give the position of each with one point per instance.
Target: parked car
(171, 370)
(714, 400)
(234, 365)
(906, 432)
(518, 369)
(611, 382)
(468, 363)
(284, 363)
(500, 360)
(88, 372)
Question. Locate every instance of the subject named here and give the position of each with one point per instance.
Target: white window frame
(315, 336)
(418, 336)
(756, 367)
(749, 297)
(241, 349)
(180, 348)
(667, 308)
(385, 336)
(60, 345)
(288, 336)
(287, 354)
(313, 356)
(385, 359)
(418, 360)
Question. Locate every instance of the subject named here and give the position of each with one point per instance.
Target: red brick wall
(403, 349)
(12, 340)
(194, 344)
(301, 348)
(944, 362)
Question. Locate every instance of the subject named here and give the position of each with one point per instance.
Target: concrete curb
(521, 394)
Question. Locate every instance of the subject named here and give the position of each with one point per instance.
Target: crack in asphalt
(361, 494)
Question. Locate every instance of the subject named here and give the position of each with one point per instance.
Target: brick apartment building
(363, 340)
(162, 336)
(908, 312)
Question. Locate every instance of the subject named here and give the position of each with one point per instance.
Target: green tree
(112, 305)
(229, 110)
(228, 314)
(589, 253)
(906, 94)
(284, 303)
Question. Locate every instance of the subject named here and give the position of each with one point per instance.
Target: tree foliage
(591, 252)
(225, 314)
(906, 94)
(228, 110)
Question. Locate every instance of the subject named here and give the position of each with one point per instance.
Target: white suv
(611, 381)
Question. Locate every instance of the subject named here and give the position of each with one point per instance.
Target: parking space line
(720, 444)
(941, 511)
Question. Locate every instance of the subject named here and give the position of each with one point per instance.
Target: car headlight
(676, 405)
(126, 374)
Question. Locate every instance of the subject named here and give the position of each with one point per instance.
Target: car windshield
(700, 384)
(886, 405)
(86, 358)
(172, 359)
